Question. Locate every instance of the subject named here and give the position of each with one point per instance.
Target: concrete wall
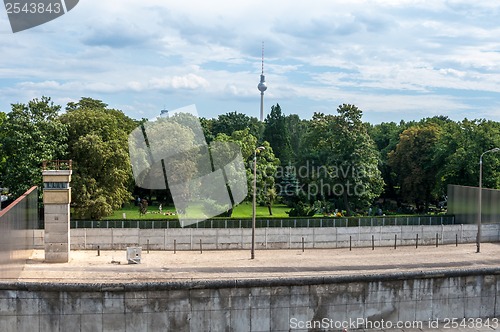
(251, 305)
(274, 238)
(17, 224)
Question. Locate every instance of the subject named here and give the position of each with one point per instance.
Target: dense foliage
(332, 163)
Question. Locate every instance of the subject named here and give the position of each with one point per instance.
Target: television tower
(262, 87)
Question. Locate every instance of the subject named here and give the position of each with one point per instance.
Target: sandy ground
(112, 266)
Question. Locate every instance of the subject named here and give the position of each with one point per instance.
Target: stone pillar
(56, 200)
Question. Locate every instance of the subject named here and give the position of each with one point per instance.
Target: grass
(244, 210)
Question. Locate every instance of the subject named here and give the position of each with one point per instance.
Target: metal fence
(17, 222)
(262, 223)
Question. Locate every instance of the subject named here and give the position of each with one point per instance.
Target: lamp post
(478, 238)
(260, 148)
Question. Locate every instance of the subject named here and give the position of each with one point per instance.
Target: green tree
(276, 133)
(98, 146)
(267, 163)
(234, 121)
(386, 137)
(342, 159)
(31, 134)
(289, 185)
(412, 160)
(296, 129)
(458, 150)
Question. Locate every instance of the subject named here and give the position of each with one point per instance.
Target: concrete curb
(241, 283)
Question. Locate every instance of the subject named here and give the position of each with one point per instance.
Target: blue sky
(393, 59)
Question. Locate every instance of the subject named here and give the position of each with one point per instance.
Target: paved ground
(111, 266)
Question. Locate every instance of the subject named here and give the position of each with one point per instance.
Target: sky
(393, 59)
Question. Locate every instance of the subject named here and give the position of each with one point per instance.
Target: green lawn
(244, 210)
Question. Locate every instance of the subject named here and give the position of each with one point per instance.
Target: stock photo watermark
(322, 181)
(172, 152)
(363, 323)
(25, 15)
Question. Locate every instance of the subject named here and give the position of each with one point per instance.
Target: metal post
(395, 240)
(98, 251)
(416, 243)
(373, 242)
(478, 238)
(437, 240)
(350, 243)
(147, 246)
(303, 244)
(175, 246)
(254, 202)
(252, 254)
(201, 248)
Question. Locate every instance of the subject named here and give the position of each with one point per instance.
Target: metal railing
(57, 165)
(275, 222)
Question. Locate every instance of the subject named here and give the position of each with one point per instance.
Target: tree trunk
(270, 208)
(346, 203)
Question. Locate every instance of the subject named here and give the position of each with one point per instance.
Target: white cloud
(380, 53)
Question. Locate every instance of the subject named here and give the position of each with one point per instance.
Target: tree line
(329, 163)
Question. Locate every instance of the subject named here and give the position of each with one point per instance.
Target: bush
(301, 209)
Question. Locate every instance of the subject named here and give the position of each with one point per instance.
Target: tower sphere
(262, 86)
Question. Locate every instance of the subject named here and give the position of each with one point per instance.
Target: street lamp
(260, 148)
(478, 238)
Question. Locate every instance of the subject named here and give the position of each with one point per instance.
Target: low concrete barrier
(416, 299)
(275, 238)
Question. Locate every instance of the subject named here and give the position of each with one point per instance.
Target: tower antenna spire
(262, 58)
(262, 87)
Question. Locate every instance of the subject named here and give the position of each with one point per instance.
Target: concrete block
(279, 308)
(51, 257)
(57, 209)
(74, 323)
(407, 311)
(8, 306)
(8, 323)
(91, 303)
(220, 315)
(199, 318)
(72, 304)
(118, 232)
(56, 237)
(113, 303)
(488, 294)
(26, 323)
(158, 321)
(57, 227)
(50, 322)
(423, 310)
(114, 323)
(260, 309)
(300, 306)
(56, 247)
(136, 322)
(456, 300)
(240, 310)
(440, 295)
(472, 296)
